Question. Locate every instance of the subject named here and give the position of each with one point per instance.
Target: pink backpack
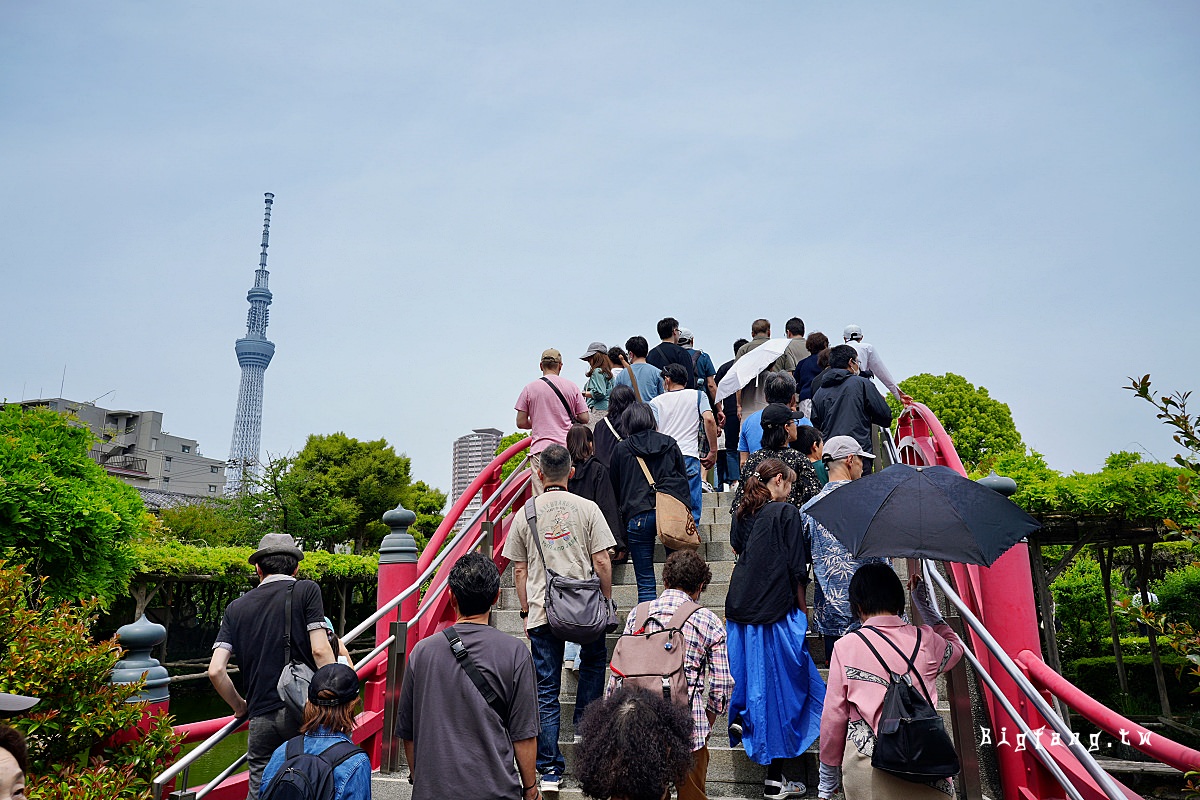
(655, 659)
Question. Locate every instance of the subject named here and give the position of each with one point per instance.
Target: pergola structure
(1104, 535)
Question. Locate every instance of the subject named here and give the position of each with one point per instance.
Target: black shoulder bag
(566, 405)
(911, 742)
(468, 665)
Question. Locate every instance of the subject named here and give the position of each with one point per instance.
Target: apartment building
(132, 446)
(472, 453)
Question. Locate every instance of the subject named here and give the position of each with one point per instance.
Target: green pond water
(197, 706)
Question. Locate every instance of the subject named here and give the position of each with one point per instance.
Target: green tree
(49, 652)
(981, 426)
(61, 514)
(337, 488)
(224, 522)
(505, 443)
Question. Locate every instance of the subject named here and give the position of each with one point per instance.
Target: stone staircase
(730, 773)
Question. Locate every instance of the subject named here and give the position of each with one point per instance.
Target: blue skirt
(777, 691)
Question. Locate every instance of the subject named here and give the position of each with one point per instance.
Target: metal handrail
(1048, 762)
(437, 592)
(208, 744)
(1102, 778)
(184, 763)
(365, 660)
(433, 565)
(217, 781)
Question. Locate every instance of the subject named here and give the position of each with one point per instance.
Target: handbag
(911, 742)
(673, 519)
(293, 682)
(576, 610)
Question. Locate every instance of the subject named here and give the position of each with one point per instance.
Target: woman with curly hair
(766, 619)
(635, 745)
(779, 430)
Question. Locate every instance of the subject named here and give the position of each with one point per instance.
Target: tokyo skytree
(254, 352)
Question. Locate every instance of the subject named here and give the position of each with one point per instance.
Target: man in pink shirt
(547, 408)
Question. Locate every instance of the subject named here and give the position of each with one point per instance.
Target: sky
(1007, 191)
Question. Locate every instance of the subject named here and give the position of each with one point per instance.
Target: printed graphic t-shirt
(571, 528)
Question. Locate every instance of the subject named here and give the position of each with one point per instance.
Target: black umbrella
(923, 512)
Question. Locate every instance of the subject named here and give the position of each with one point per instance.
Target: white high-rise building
(472, 453)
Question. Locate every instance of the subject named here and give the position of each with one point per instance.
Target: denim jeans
(547, 650)
(641, 535)
(728, 470)
(267, 732)
(695, 474)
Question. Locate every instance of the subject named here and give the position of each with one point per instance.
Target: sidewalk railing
(385, 663)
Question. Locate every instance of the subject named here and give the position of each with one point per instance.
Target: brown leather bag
(674, 520)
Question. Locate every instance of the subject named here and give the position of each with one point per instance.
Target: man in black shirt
(669, 352)
(253, 631)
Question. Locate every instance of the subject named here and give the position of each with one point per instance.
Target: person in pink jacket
(854, 696)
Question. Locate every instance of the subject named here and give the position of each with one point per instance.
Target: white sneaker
(550, 783)
(781, 790)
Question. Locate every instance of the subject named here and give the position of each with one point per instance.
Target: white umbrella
(750, 366)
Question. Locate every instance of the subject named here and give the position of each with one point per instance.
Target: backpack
(700, 383)
(655, 660)
(308, 776)
(911, 742)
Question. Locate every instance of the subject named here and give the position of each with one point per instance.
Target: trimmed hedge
(229, 564)
(1097, 675)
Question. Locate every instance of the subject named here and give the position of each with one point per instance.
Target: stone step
(625, 596)
(714, 552)
(396, 787)
(730, 772)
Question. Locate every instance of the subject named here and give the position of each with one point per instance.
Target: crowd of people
(785, 437)
(480, 714)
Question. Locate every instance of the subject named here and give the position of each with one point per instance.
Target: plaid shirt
(704, 634)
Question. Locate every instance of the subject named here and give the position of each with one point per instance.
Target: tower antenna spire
(254, 353)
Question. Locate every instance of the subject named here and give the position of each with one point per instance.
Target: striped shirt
(704, 634)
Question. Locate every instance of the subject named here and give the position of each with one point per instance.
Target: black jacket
(605, 440)
(846, 405)
(665, 463)
(591, 481)
(772, 565)
(804, 373)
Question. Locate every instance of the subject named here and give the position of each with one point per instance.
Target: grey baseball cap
(593, 349)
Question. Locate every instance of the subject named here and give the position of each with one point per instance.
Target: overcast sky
(1008, 191)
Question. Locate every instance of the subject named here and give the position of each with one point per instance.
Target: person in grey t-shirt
(456, 744)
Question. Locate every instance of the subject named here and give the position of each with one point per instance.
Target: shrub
(61, 514)
(48, 653)
(1080, 610)
(1098, 677)
(1179, 595)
